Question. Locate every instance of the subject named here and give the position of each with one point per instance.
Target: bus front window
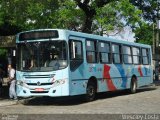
(42, 56)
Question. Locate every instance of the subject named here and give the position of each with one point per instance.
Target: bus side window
(104, 52)
(127, 56)
(91, 53)
(76, 50)
(76, 54)
(116, 53)
(136, 55)
(145, 57)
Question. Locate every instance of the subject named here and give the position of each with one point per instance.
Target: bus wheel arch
(91, 89)
(133, 84)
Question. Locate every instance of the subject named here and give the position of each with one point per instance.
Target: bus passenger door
(76, 66)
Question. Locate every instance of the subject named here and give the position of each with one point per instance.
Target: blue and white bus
(57, 62)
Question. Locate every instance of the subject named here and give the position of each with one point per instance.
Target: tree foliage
(90, 16)
(3, 52)
(108, 14)
(151, 12)
(144, 34)
(116, 15)
(150, 8)
(39, 14)
(71, 14)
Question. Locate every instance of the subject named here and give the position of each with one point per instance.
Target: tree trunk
(90, 12)
(87, 24)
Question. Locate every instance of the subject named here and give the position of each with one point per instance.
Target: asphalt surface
(144, 105)
(5, 101)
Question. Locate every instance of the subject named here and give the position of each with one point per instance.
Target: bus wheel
(133, 86)
(90, 91)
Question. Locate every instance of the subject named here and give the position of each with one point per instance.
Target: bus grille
(35, 84)
(38, 76)
(39, 91)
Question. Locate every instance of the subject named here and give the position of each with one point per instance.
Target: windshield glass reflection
(42, 56)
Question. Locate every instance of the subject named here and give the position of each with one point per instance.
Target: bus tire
(133, 85)
(90, 91)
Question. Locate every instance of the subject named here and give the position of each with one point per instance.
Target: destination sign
(36, 35)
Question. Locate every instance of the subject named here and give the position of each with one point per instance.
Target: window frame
(139, 56)
(131, 55)
(72, 40)
(120, 53)
(108, 53)
(147, 55)
(95, 51)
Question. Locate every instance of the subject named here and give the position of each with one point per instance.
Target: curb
(24, 100)
(7, 103)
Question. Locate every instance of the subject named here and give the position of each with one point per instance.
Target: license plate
(39, 89)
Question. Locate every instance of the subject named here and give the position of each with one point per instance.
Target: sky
(126, 35)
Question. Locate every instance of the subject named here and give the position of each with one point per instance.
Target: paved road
(145, 101)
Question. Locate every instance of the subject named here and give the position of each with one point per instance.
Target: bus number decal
(94, 69)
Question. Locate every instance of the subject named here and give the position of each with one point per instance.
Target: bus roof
(89, 36)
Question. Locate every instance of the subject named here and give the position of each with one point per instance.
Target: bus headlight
(19, 82)
(59, 82)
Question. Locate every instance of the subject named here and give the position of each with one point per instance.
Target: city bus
(58, 62)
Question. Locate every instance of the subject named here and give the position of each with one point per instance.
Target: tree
(32, 14)
(150, 8)
(69, 16)
(111, 8)
(144, 34)
(116, 15)
(28, 14)
(2, 52)
(90, 16)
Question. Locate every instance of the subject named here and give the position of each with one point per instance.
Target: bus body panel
(110, 77)
(43, 83)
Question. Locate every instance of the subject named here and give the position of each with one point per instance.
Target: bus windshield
(42, 56)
